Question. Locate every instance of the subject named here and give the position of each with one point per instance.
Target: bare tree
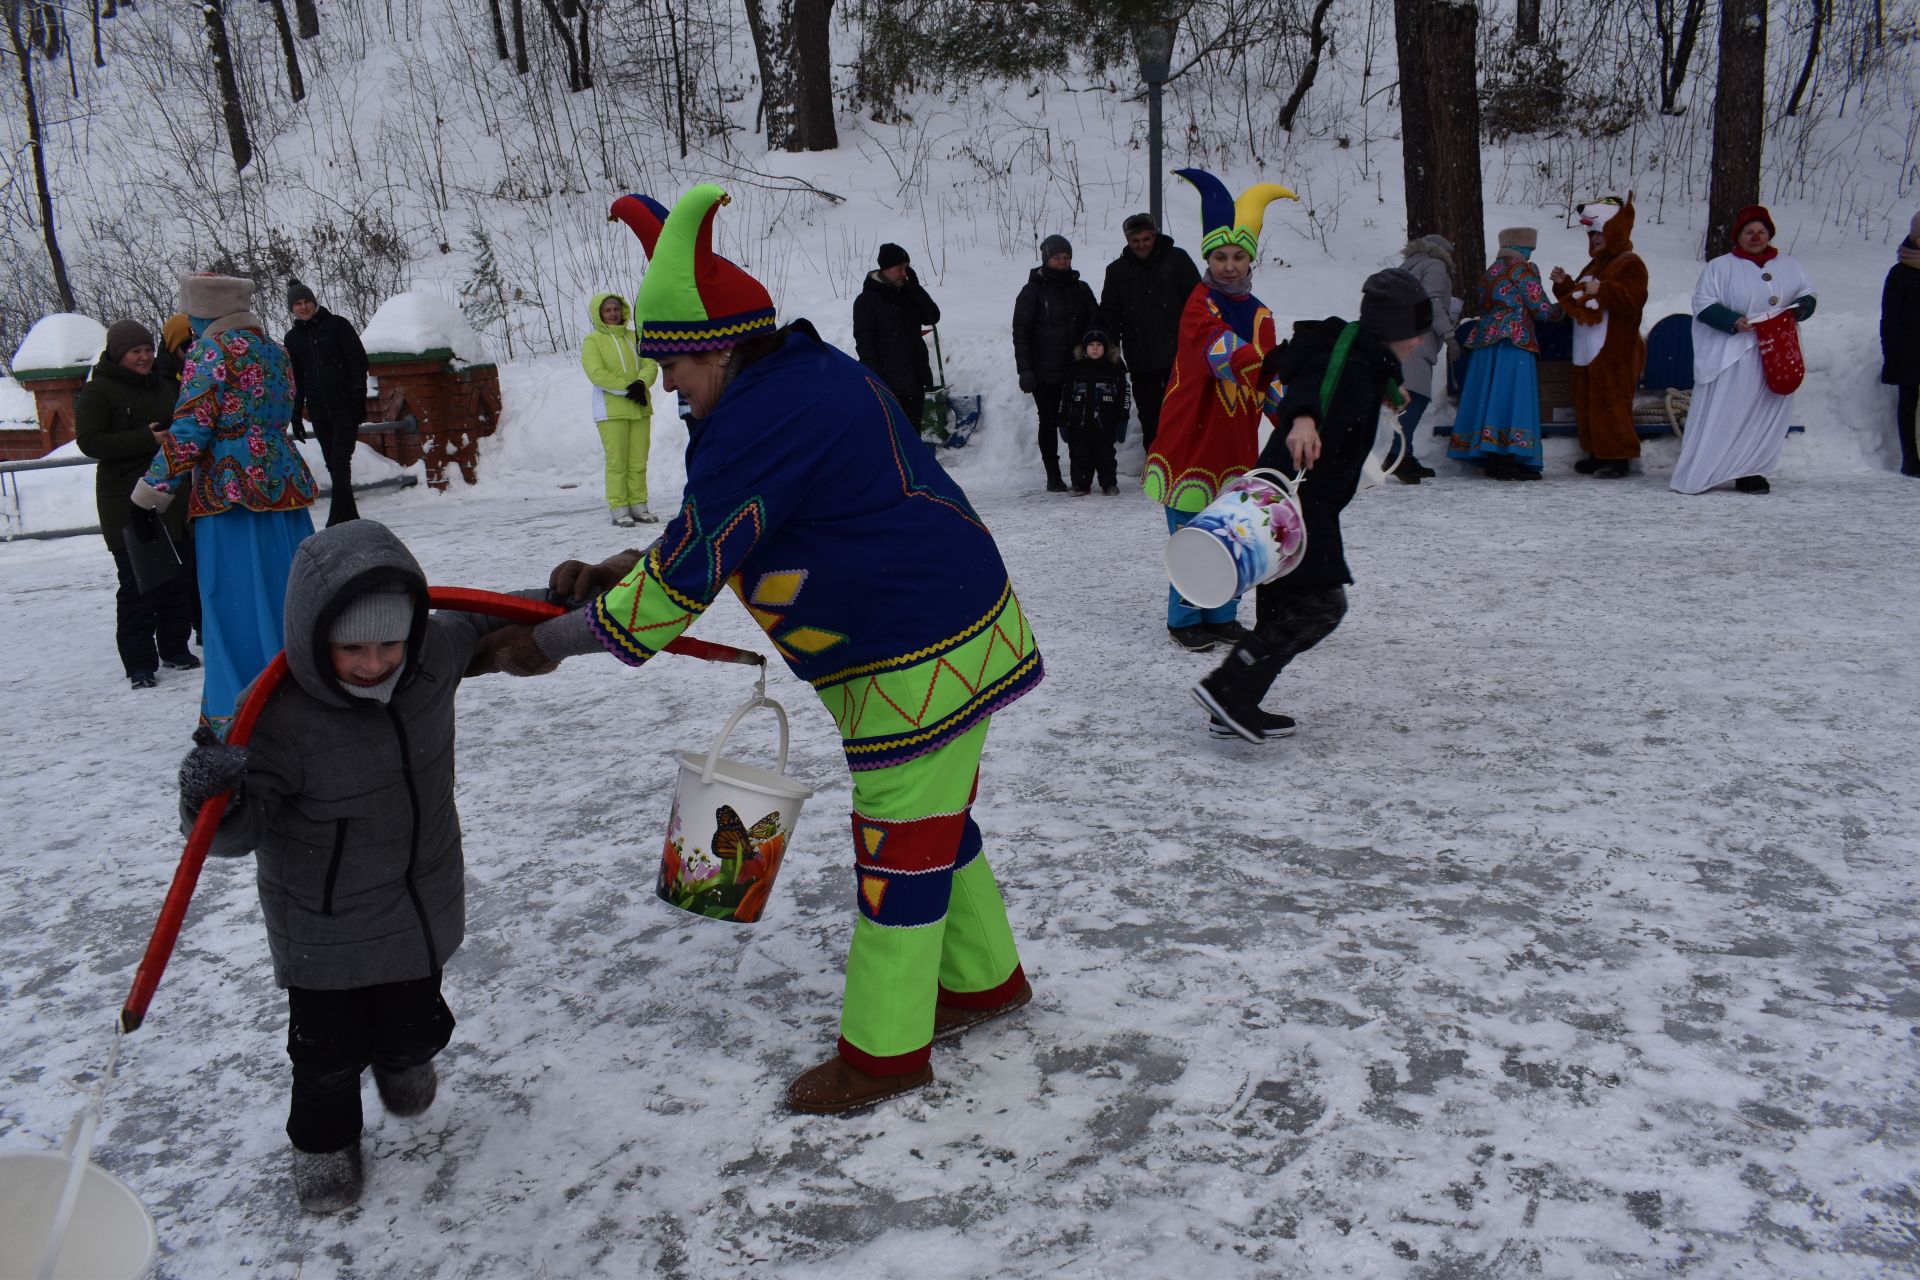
(796, 73)
(36, 143)
(1316, 42)
(500, 49)
(1738, 109)
(296, 85)
(577, 77)
(1526, 22)
(308, 15)
(1678, 25)
(221, 52)
(519, 38)
(1819, 27)
(1438, 43)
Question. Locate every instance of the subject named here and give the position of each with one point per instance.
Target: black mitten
(145, 524)
(1027, 383)
(1270, 363)
(637, 392)
(209, 769)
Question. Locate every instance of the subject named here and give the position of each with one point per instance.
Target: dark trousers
(1410, 422)
(1090, 452)
(149, 627)
(1287, 621)
(336, 446)
(1046, 399)
(1149, 389)
(332, 1036)
(1905, 413)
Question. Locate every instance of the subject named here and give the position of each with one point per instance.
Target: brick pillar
(453, 407)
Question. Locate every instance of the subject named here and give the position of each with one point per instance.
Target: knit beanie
(892, 255)
(1054, 244)
(1092, 336)
(207, 295)
(1518, 238)
(379, 616)
(1394, 305)
(1909, 252)
(123, 336)
(1139, 222)
(177, 332)
(298, 292)
(691, 298)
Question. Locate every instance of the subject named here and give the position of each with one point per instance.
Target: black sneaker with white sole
(1266, 723)
(1193, 639)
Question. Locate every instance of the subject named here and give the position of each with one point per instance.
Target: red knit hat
(1753, 213)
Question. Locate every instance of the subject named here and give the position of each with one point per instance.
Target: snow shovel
(945, 418)
(173, 913)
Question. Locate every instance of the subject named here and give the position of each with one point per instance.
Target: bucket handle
(1290, 485)
(78, 1149)
(759, 699)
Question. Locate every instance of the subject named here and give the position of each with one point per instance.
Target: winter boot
(1521, 471)
(406, 1091)
(1587, 465)
(1233, 692)
(641, 515)
(143, 680)
(1752, 484)
(622, 519)
(1408, 471)
(1611, 469)
(1267, 723)
(837, 1085)
(1193, 639)
(951, 1020)
(327, 1181)
(181, 662)
(1056, 483)
(1229, 632)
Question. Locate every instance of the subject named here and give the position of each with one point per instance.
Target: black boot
(1587, 465)
(1232, 693)
(1752, 484)
(1055, 484)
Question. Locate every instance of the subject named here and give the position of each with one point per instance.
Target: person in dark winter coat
(345, 795)
(118, 418)
(887, 319)
(1145, 290)
(1095, 411)
(1054, 308)
(329, 389)
(1900, 344)
(1332, 401)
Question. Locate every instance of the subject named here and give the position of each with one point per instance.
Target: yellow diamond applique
(778, 590)
(767, 620)
(812, 639)
(872, 838)
(873, 888)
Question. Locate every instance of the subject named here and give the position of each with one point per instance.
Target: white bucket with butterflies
(730, 827)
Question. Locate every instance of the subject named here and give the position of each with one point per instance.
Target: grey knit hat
(123, 336)
(379, 616)
(206, 296)
(1054, 244)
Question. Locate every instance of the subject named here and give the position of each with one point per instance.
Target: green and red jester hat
(691, 299)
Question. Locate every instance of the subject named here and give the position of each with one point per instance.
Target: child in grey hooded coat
(345, 796)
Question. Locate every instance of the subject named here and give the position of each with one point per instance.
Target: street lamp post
(1153, 41)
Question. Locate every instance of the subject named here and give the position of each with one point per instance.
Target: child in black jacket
(1330, 441)
(1095, 410)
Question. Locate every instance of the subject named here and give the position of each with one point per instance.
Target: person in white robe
(1736, 425)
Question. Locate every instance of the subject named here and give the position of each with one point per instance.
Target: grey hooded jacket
(348, 802)
(1430, 259)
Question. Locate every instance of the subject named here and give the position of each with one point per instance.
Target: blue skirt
(1499, 408)
(243, 559)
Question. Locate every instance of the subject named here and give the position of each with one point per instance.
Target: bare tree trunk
(796, 72)
(93, 13)
(36, 144)
(296, 86)
(1316, 41)
(1813, 54)
(679, 81)
(519, 38)
(1439, 45)
(222, 54)
(1676, 48)
(307, 14)
(576, 81)
(500, 49)
(1738, 110)
(1526, 22)
(586, 47)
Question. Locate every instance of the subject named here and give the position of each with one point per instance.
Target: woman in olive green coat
(119, 417)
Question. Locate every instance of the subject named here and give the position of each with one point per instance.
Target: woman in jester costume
(1221, 383)
(810, 493)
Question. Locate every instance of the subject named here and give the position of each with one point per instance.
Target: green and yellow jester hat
(692, 299)
(1224, 220)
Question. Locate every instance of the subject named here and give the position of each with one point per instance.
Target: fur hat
(298, 292)
(1139, 222)
(206, 295)
(1224, 220)
(691, 299)
(1055, 244)
(1753, 213)
(1517, 238)
(123, 336)
(892, 255)
(379, 616)
(1394, 305)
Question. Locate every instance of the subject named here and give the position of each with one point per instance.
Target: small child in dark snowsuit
(1094, 409)
(1330, 438)
(345, 793)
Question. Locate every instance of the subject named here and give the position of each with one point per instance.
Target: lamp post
(1153, 42)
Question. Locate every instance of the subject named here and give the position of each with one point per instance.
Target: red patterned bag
(1780, 358)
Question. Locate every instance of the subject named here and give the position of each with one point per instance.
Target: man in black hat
(1337, 376)
(887, 318)
(1146, 288)
(329, 389)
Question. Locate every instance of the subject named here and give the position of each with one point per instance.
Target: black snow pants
(332, 1036)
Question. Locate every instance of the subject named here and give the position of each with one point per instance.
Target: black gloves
(637, 392)
(210, 768)
(1270, 363)
(1026, 383)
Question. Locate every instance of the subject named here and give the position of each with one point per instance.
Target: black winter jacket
(1347, 430)
(1900, 326)
(1142, 301)
(1096, 393)
(329, 369)
(886, 334)
(110, 417)
(1054, 310)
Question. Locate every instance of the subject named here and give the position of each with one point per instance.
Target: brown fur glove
(512, 650)
(574, 582)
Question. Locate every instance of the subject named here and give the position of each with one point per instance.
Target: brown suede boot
(837, 1085)
(951, 1020)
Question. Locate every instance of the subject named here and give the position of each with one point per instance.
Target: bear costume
(1605, 303)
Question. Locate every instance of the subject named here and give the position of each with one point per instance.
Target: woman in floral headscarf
(1900, 343)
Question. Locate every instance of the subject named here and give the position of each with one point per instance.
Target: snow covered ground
(1572, 936)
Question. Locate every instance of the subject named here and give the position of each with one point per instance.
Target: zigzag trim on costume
(1017, 647)
(702, 335)
(910, 486)
(880, 753)
(920, 655)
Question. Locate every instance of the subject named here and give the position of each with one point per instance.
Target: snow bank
(413, 322)
(60, 341)
(16, 405)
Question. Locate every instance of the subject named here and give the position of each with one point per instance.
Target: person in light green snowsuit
(622, 407)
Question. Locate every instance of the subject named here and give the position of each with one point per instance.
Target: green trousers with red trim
(932, 926)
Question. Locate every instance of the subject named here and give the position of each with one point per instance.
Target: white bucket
(729, 829)
(1253, 532)
(107, 1235)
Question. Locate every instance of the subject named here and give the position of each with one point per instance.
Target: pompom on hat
(1226, 221)
(692, 299)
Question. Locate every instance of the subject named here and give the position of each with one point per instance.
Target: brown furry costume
(1603, 390)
